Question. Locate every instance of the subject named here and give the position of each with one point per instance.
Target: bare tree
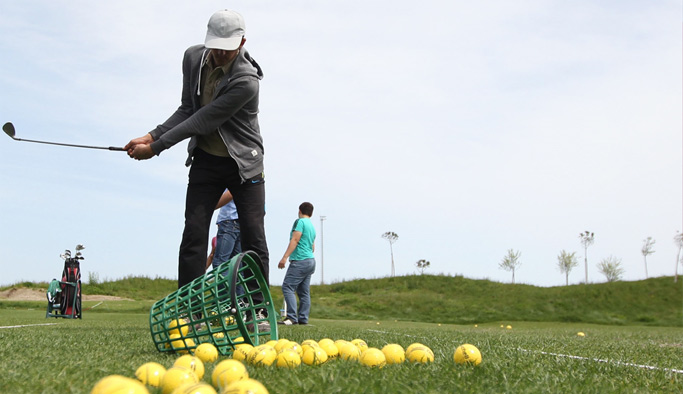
(678, 240)
(422, 265)
(566, 262)
(391, 237)
(587, 238)
(611, 268)
(510, 262)
(647, 249)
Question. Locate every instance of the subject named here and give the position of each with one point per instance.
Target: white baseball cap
(225, 30)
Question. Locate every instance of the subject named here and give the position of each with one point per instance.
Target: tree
(391, 237)
(587, 238)
(422, 265)
(566, 262)
(678, 240)
(611, 268)
(510, 262)
(648, 249)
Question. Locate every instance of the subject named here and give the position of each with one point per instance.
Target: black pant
(209, 177)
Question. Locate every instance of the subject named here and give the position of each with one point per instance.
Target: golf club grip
(116, 148)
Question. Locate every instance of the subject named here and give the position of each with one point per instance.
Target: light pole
(322, 252)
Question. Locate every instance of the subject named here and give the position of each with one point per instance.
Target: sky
(467, 128)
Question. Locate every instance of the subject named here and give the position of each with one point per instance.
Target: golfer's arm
(293, 242)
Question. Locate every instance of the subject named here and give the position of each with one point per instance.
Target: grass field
(71, 356)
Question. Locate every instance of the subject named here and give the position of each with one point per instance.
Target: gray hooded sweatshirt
(233, 111)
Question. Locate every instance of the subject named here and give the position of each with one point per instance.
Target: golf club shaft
(8, 128)
(114, 148)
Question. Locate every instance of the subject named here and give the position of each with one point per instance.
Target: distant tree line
(610, 266)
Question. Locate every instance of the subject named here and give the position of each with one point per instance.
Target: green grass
(71, 356)
(636, 345)
(452, 300)
(457, 300)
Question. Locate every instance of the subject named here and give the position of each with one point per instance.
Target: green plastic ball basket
(229, 305)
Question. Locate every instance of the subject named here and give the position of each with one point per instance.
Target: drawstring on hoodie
(202, 63)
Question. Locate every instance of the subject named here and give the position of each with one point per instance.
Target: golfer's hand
(145, 139)
(141, 152)
(282, 263)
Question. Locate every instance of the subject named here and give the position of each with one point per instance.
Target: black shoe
(303, 324)
(287, 322)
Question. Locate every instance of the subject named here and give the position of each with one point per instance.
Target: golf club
(8, 128)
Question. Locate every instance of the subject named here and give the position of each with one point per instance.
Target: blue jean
(227, 242)
(298, 281)
(227, 245)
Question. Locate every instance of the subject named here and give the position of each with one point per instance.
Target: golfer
(218, 114)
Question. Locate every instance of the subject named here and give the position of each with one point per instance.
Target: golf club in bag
(64, 296)
(8, 128)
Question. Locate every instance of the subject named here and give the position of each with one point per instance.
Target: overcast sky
(467, 128)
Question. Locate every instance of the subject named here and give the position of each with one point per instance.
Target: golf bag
(64, 296)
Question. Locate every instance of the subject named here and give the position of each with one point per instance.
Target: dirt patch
(23, 294)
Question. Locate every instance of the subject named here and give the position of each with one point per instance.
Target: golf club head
(79, 247)
(8, 128)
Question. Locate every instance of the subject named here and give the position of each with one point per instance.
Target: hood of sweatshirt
(244, 65)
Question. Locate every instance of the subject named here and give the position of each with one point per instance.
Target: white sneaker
(262, 325)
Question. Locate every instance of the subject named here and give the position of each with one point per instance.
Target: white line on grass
(30, 325)
(601, 360)
(397, 333)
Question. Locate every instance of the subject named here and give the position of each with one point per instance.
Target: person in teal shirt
(297, 280)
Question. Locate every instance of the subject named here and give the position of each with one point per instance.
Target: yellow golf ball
(178, 327)
(176, 377)
(206, 352)
(467, 354)
(293, 346)
(228, 371)
(271, 343)
(349, 351)
(394, 353)
(421, 355)
(192, 363)
(247, 386)
(150, 374)
(309, 342)
(229, 320)
(288, 359)
(414, 345)
(329, 347)
(181, 345)
(360, 344)
(314, 355)
(373, 357)
(281, 344)
(262, 355)
(339, 342)
(115, 384)
(241, 351)
(194, 388)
